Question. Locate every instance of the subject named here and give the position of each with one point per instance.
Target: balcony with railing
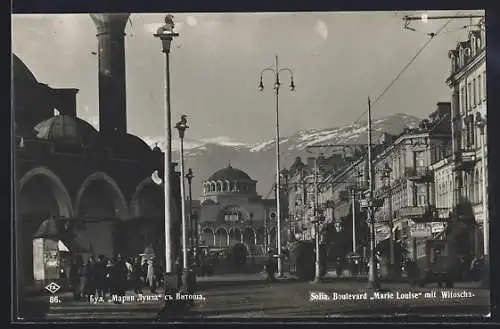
(465, 159)
(419, 213)
(419, 174)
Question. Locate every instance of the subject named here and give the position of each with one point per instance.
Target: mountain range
(258, 159)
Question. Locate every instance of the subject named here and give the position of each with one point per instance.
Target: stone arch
(213, 187)
(102, 207)
(60, 192)
(118, 198)
(41, 194)
(221, 237)
(208, 236)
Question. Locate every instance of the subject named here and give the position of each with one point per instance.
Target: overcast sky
(338, 59)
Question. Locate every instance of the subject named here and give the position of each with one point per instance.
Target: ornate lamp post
(189, 177)
(253, 242)
(187, 274)
(166, 33)
(481, 124)
(276, 71)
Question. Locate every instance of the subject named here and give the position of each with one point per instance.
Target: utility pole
(372, 276)
(317, 277)
(353, 197)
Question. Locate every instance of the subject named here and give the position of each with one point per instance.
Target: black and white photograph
(258, 165)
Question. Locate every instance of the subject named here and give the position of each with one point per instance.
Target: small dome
(66, 129)
(229, 173)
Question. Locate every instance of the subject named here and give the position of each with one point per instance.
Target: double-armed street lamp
(276, 70)
(187, 274)
(166, 34)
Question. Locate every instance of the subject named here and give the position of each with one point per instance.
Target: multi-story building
(403, 180)
(467, 82)
(304, 188)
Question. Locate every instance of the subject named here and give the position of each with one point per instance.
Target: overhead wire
(412, 60)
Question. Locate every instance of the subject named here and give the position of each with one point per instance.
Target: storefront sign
(420, 231)
(437, 227)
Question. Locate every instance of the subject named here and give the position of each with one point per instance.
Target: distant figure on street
(119, 276)
(109, 283)
(137, 275)
(75, 275)
(100, 276)
(88, 278)
(151, 276)
(270, 266)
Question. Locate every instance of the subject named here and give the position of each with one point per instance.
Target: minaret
(112, 86)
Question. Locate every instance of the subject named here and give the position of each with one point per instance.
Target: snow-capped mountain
(258, 159)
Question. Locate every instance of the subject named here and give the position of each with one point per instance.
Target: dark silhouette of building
(97, 182)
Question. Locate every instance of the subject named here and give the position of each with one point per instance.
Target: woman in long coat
(151, 276)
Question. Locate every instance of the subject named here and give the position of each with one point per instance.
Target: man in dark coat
(119, 275)
(75, 274)
(100, 275)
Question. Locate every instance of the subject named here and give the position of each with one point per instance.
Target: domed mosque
(93, 186)
(231, 212)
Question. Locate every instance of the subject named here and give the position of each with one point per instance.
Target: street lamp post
(186, 273)
(253, 242)
(481, 124)
(276, 71)
(166, 34)
(189, 177)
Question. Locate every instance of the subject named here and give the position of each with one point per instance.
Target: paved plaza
(252, 296)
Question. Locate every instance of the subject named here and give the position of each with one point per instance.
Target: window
(484, 85)
(462, 100)
(469, 95)
(474, 95)
(479, 93)
(419, 159)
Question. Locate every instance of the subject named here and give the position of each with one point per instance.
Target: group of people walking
(102, 276)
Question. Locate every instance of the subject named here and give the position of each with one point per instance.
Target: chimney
(112, 87)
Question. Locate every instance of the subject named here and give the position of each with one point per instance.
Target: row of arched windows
(227, 186)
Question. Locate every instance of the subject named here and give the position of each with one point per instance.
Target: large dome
(66, 129)
(229, 173)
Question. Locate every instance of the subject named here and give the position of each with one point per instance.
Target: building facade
(404, 181)
(95, 184)
(232, 212)
(467, 82)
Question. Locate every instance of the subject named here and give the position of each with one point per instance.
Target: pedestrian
(151, 276)
(145, 271)
(119, 276)
(128, 264)
(109, 280)
(75, 274)
(137, 275)
(100, 276)
(88, 278)
(270, 266)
